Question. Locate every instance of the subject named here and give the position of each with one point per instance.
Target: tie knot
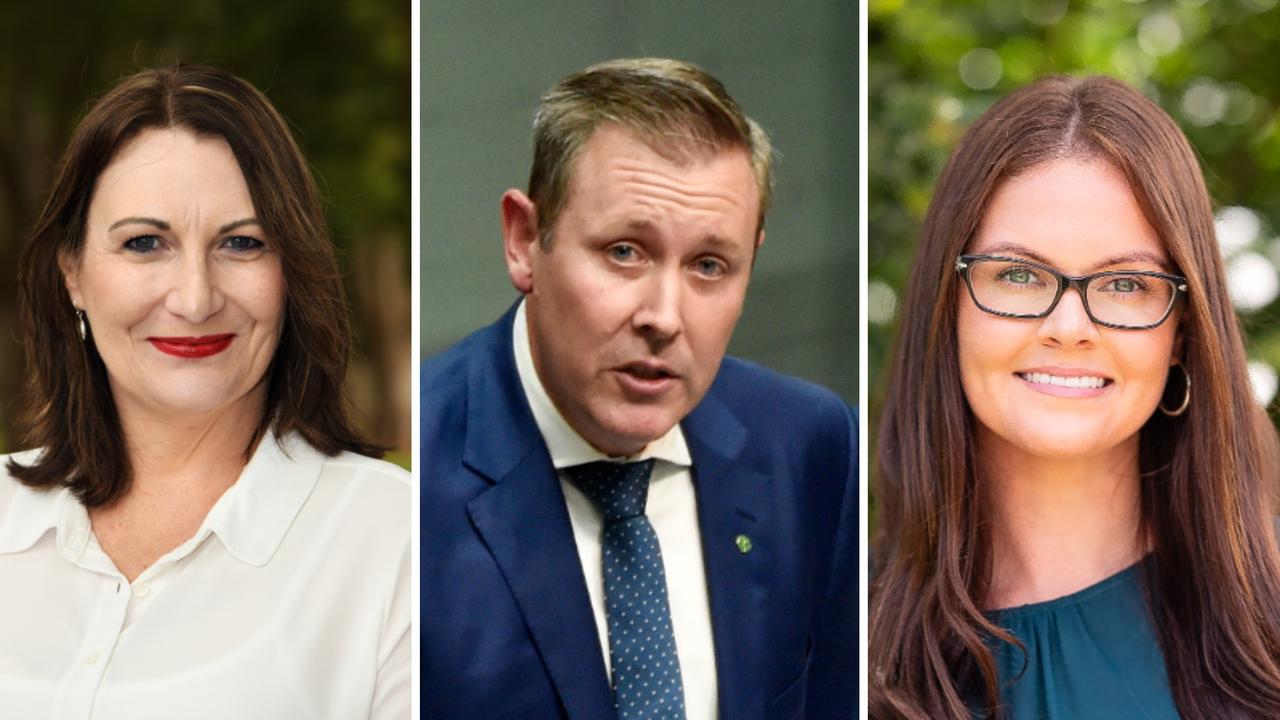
(619, 490)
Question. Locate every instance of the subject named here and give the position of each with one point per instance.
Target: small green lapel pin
(744, 544)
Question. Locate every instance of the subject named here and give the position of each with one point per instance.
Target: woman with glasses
(1074, 479)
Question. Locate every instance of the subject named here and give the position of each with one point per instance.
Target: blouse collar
(250, 519)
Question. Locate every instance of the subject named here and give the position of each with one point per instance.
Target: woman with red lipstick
(1074, 478)
(201, 532)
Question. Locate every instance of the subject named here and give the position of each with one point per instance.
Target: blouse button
(142, 590)
(91, 658)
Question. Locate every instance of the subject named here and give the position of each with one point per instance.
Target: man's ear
(519, 235)
(70, 268)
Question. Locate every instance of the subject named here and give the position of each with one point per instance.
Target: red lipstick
(193, 347)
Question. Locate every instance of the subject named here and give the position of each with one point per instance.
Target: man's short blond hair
(676, 108)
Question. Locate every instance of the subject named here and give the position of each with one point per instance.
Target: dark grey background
(792, 66)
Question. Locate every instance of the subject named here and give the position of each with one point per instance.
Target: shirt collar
(250, 518)
(566, 446)
(33, 512)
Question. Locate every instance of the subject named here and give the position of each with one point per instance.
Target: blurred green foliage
(339, 71)
(935, 66)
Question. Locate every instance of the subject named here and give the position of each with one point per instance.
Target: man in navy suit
(618, 521)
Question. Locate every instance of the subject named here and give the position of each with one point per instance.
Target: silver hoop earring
(84, 331)
(1186, 398)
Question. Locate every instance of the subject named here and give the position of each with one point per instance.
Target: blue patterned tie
(642, 647)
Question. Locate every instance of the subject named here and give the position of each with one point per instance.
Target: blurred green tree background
(340, 73)
(935, 66)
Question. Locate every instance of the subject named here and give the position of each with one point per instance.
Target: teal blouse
(1090, 654)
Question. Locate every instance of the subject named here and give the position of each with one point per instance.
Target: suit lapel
(732, 511)
(525, 524)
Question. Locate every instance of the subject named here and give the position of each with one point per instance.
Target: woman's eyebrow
(237, 223)
(1016, 249)
(1121, 259)
(1133, 257)
(161, 224)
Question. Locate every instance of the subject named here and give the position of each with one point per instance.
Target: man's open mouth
(647, 371)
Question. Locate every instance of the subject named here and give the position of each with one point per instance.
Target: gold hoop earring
(1186, 398)
(84, 331)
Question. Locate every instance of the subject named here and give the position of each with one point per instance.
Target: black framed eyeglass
(1122, 299)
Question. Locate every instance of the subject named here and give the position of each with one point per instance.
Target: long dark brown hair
(69, 412)
(1206, 477)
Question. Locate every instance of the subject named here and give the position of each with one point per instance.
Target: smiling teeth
(1081, 381)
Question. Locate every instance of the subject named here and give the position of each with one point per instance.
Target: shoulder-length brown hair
(70, 412)
(1214, 575)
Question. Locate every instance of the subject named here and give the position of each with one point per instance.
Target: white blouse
(292, 600)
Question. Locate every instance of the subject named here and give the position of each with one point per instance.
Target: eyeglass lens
(1115, 298)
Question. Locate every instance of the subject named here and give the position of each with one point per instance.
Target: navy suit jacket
(507, 626)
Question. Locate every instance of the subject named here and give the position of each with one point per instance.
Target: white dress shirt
(673, 511)
(292, 600)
